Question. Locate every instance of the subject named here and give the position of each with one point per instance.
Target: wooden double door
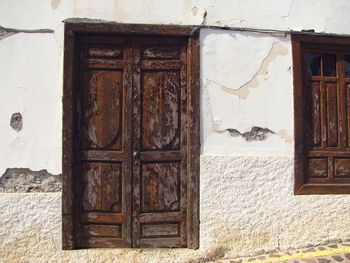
(131, 147)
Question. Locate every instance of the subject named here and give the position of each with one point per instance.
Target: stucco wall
(250, 85)
(247, 206)
(246, 181)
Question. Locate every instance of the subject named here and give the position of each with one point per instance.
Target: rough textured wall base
(247, 206)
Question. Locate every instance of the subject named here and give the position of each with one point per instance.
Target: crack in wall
(277, 49)
(7, 32)
(25, 180)
(204, 21)
(289, 10)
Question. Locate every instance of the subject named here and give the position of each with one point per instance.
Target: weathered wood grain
(131, 135)
(321, 124)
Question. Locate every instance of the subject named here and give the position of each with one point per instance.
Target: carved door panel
(103, 133)
(131, 137)
(159, 142)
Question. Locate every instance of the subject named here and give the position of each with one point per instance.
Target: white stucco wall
(250, 85)
(247, 206)
(30, 78)
(247, 203)
(320, 15)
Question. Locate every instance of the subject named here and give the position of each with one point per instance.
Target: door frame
(72, 30)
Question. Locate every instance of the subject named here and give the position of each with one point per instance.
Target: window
(130, 136)
(321, 114)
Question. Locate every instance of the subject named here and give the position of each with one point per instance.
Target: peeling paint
(285, 136)
(55, 3)
(7, 32)
(277, 49)
(26, 180)
(255, 134)
(217, 128)
(16, 121)
(194, 10)
(234, 132)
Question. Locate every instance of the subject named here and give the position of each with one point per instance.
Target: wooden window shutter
(322, 120)
(131, 160)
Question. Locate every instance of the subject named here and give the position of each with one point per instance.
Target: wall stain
(55, 3)
(277, 49)
(24, 180)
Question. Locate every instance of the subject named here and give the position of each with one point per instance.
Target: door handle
(136, 154)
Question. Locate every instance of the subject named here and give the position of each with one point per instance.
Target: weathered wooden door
(159, 142)
(103, 111)
(131, 144)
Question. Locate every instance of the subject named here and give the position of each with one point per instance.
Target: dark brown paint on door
(131, 144)
(103, 142)
(321, 106)
(159, 142)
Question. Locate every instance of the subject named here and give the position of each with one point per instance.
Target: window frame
(299, 41)
(74, 27)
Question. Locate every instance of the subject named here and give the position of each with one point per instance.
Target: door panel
(102, 116)
(160, 187)
(159, 142)
(101, 187)
(104, 207)
(132, 142)
(160, 110)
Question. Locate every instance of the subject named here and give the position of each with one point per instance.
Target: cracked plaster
(321, 15)
(237, 58)
(277, 49)
(31, 85)
(262, 97)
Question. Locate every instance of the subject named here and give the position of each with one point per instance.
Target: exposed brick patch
(25, 180)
